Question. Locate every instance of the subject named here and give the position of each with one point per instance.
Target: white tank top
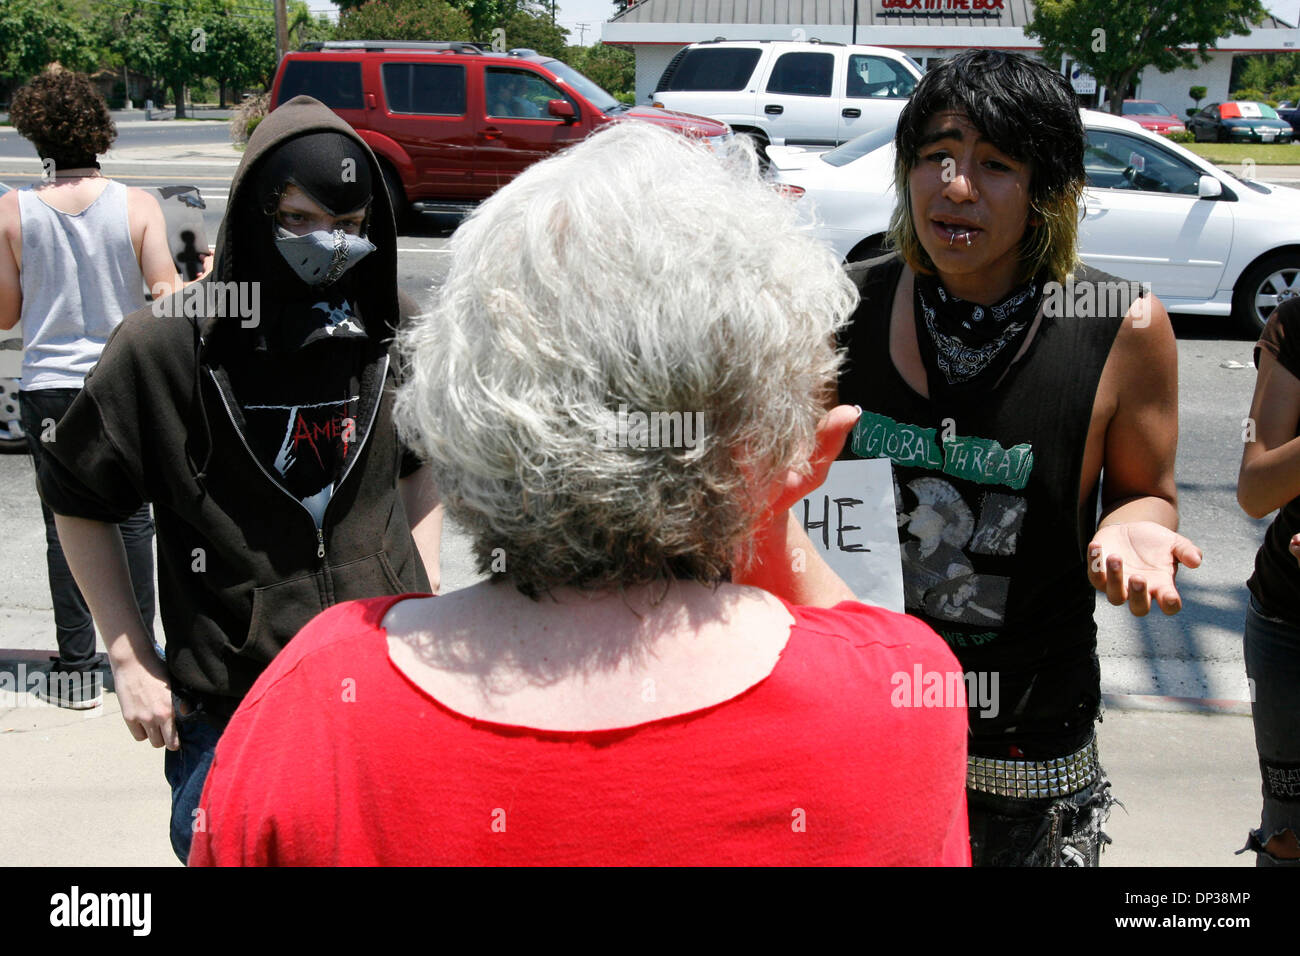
(79, 278)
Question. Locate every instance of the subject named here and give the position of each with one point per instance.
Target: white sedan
(1209, 242)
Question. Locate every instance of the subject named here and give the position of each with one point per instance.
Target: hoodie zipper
(320, 531)
(320, 534)
(356, 453)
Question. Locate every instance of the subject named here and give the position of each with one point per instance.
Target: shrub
(1186, 136)
(247, 115)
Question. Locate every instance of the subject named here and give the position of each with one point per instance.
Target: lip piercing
(954, 236)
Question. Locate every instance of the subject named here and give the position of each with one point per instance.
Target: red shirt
(336, 758)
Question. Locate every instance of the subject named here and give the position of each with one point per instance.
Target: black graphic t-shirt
(991, 531)
(299, 395)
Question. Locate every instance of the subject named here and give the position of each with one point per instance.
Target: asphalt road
(1196, 654)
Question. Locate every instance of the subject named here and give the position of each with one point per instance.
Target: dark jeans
(1272, 650)
(187, 770)
(1055, 831)
(74, 629)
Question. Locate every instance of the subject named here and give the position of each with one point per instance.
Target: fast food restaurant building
(926, 30)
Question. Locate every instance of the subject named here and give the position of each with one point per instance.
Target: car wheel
(12, 438)
(1263, 288)
(396, 196)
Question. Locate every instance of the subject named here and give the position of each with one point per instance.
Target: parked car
(1289, 114)
(1208, 242)
(790, 93)
(11, 370)
(1241, 121)
(451, 123)
(1154, 116)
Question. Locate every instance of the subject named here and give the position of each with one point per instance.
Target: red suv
(450, 122)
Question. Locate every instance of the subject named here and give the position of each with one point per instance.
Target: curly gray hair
(635, 271)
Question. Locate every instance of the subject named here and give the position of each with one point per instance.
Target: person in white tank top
(75, 251)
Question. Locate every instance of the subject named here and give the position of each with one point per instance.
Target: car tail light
(788, 191)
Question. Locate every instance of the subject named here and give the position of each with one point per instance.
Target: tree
(1265, 71)
(303, 28)
(128, 40)
(484, 17)
(175, 40)
(34, 34)
(533, 30)
(240, 50)
(1116, 39)
(609, 67)
(404, 20)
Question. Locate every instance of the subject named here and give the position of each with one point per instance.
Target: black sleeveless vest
(990, 526)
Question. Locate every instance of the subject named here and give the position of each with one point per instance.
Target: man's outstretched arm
(97, 558)
(1136, 551)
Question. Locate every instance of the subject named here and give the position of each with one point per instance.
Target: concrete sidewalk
(220, 156)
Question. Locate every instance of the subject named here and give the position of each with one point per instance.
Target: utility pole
(552, 12)
(281, 31)
(582, 33)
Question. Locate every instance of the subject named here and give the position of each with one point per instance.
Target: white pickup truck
(790, 93)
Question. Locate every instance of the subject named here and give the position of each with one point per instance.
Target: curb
(22, 165)
(1182, 705)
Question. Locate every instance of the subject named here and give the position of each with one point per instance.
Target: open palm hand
(1135, 563)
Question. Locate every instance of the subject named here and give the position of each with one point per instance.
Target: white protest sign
(852, 522)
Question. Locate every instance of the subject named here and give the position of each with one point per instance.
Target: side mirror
(1207, 187)
(561, 109)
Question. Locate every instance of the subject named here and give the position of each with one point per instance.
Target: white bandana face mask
(320, 258)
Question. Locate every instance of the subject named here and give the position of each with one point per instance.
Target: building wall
(651, 59)
(1171, 88)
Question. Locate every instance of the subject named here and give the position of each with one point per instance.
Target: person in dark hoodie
(253, 410)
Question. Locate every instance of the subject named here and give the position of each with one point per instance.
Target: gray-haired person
(620, 390)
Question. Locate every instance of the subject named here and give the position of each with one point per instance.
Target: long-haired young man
(1022, 421)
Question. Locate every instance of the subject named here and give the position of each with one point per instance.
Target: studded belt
(1032, 779)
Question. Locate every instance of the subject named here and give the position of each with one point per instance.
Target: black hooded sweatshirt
(242, 562)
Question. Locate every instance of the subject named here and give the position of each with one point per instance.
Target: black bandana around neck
(966, 347)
